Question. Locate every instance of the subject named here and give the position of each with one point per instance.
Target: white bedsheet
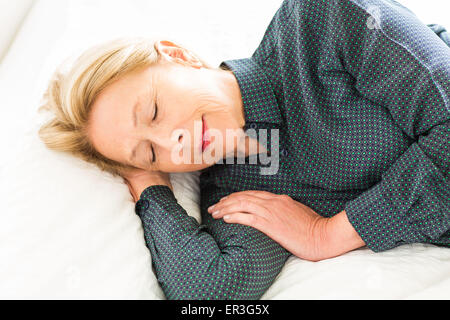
(69, 231)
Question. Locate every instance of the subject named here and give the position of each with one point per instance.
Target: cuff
(162, 193)
(371, 216)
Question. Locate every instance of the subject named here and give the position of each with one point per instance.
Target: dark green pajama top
(359, 91)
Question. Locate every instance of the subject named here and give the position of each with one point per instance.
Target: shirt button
(253, 125)
(284, 152)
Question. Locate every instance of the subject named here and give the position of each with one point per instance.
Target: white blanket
(68, 230)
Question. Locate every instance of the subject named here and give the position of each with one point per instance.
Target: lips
(205, 135)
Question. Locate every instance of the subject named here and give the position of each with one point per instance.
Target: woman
(346, 103)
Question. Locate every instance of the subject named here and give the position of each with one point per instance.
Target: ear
(174, 53)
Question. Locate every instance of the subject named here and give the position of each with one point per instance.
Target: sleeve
(237, 263)
(400, 64)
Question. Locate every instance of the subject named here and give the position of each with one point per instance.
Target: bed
(69, 231)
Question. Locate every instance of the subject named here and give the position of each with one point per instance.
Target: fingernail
(226, 217)
(211, 208)
(215, 213)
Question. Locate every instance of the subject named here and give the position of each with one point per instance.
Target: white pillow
(12, 15)
(69, 231)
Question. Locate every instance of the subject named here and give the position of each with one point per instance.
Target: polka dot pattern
(363, 115)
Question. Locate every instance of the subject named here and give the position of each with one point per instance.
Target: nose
(168, 139)
(180, 138)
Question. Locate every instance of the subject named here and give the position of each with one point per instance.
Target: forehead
(117, 99)
(110, 119)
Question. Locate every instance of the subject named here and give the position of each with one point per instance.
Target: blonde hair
(70, 95)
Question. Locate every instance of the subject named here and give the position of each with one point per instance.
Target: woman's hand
(295, 226)
(138, 180)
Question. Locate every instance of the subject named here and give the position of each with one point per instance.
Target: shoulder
(292, 18)
(274, 31)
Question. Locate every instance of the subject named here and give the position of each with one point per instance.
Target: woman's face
(154, 118)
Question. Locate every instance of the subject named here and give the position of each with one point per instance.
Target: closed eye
(153, 155)
(156, 111)
(153, 160)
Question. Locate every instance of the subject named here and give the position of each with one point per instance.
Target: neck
(237, 110)
(236, 105)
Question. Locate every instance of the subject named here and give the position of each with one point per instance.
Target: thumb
(131, 190)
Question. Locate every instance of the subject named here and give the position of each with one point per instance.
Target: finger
(252, 207)
(131, 190)
(256, 193)
(239, 199)
(246, 219)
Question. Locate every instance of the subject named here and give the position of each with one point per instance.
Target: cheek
(174, 168)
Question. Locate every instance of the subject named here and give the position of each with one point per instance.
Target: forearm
(192, 264)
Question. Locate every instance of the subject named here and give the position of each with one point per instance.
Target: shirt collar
(258, 98)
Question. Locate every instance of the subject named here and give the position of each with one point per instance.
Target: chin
(189, 167)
